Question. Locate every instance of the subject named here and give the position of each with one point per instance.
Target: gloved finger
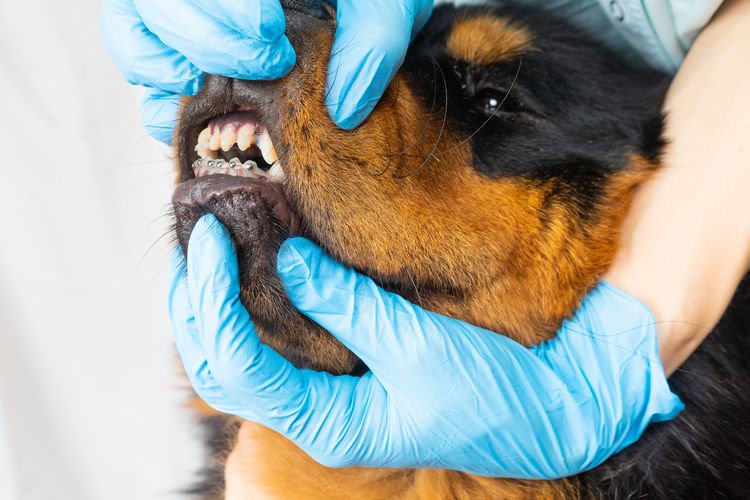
(237, 46)
(378, 326)
(142, 58)
(370, 45)
(237, 358)
(159, 113)
(187, 343)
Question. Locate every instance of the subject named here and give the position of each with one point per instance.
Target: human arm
(686, 241)
(167, 45)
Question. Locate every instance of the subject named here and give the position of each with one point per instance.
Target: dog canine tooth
(267, 149)
(245, 136)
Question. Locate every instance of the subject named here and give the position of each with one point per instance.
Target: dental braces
(223, 164)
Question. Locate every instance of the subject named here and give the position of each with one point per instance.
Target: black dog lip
(199, 191)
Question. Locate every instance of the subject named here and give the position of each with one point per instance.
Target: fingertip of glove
(349, 121)
(284, 61)
(349, 103)
(208, 224)
(162, 134)
(209, 237)
(353, 89)
(159, 111)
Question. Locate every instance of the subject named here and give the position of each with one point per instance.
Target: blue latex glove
(441, 393)
(372, 37)
(167, 45)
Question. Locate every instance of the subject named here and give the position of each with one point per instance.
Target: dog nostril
(315, 8)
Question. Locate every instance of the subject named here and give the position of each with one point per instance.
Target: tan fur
(399, 198)
(484, 40)
(264, 465)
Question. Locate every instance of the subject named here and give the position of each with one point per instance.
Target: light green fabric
(657, 33)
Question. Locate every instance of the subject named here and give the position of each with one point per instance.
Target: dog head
(488, 184)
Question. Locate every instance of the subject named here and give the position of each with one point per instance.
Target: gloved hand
(441, 393)
(167, 45)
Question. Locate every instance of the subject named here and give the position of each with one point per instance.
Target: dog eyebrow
(486, 39)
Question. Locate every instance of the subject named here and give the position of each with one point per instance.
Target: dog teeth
(266, 148)
(228, 138)
(214, 142)
(205, 136)
(202, 147)
(245, 136)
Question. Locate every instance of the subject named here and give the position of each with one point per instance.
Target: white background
(91, 391)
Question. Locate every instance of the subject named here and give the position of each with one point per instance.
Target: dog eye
(491, 104)
(492, 101)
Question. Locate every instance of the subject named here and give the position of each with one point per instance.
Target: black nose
(315, 8)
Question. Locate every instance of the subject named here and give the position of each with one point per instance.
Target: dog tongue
(200, 191)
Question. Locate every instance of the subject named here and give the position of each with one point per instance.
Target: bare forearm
(686, 243)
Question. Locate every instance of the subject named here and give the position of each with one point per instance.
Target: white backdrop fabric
(91, 393)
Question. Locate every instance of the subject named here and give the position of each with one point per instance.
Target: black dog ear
(315, 8)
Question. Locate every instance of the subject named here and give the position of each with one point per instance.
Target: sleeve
(660, 31)
(655, 33)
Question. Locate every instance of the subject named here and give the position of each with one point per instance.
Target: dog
(489, 185)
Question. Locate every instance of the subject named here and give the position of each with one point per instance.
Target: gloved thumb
(373, 323)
